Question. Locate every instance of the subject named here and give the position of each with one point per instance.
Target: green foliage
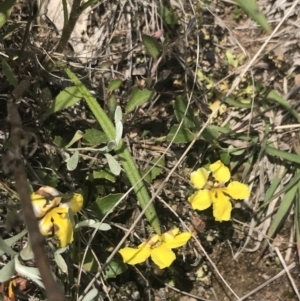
(114, 85)
(169, 17)
(72, 162)
(180, 135)
(103, 174)
(252, 9)
(5, 10)
(8, 72)
(184, 113)
(151, 172)
(7, 271)
(94, 137)
(114, 268)
(65, 99)
(138, 98)
(151, 45)
(105, 205)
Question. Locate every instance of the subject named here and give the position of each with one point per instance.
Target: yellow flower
(216, 193)
(159, 247)
(54, 216)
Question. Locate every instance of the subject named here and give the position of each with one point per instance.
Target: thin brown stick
(76, 11)
(13, 163)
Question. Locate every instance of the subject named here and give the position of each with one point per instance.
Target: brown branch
(75, 12)
(13, 163)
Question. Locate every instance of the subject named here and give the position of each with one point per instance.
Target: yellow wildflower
(54, 216)
(216, 193)
(159, 247)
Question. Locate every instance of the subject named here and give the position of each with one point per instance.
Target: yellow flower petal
(168, 236)
(59, 224)
(237, 190)
(199, 178)
(178, 240)
(151, 241)
(44, 199)
(41, 205)
(220, 172)
(162, 257)
(221, 207)
(134, 256)
(46, 225)
(201, 199)
(214, 106)
(75, 203)
(63, 230)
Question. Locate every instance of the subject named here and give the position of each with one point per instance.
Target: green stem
(122, 151)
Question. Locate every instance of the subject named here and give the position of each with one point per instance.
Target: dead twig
(12, 163)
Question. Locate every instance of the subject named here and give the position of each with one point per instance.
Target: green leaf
(91, 295)
(93, 224)
(61, 263)
(64, 100)
(59, 141)
(152, 46)
(5, 249)
(275, 96)
(138, 98)
(94, 137)
(283, 155)
(77, 136)
(12, 240)
(27, 253)
(5, 10)
(235, 151)
(118, 114)
(119, 124)
(180, 106)
(73, 161)
(153, 171)
(209, 134)
(168, 17)
(182, 136)
(119, 132)
(9, 73)
(8, 30)
(104, 205)
(113, 164)
(3, 19)
(6, 5)
(28, 272)
(48, 178)
(114, 268)
(111, 106)
(283, 210)
(234, 103)
(104, 174)
(251, 8)
(114, 85)
(7, 271)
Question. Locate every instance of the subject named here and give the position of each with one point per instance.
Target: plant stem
(122, 151)
(75, 12)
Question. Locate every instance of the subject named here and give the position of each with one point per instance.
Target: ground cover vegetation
(150, 150)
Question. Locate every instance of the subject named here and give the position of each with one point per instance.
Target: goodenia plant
(213, 191)
(158, 247)
(121, 150)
